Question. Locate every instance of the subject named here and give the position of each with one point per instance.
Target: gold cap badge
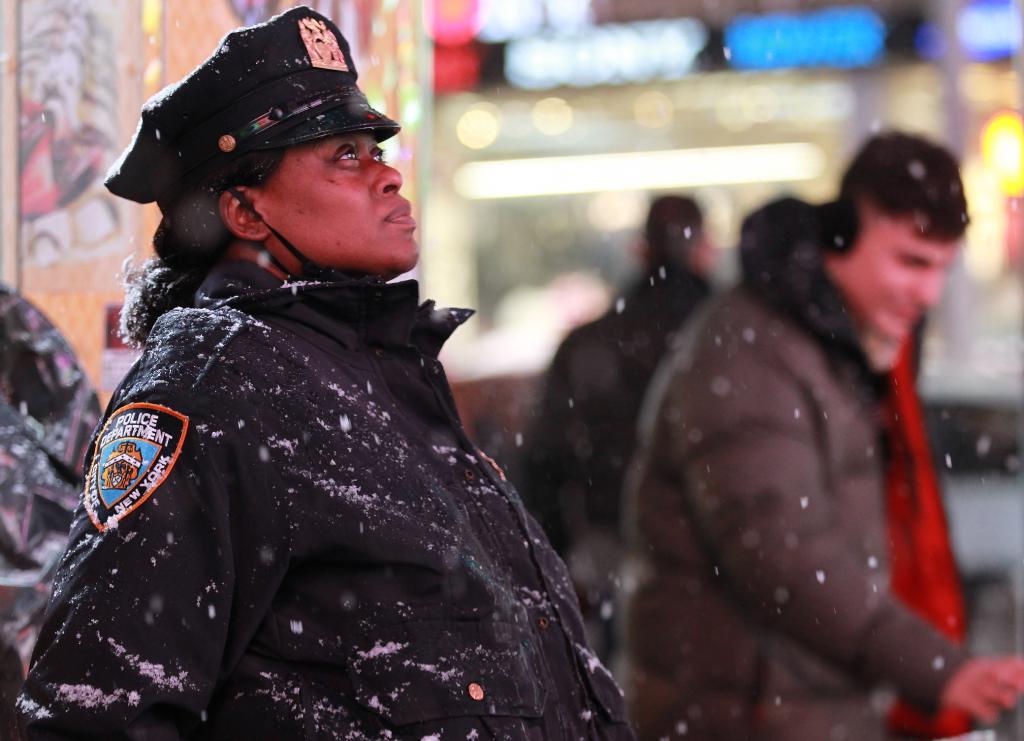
(321, 45)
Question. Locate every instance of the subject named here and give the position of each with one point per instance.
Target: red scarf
(924, 575)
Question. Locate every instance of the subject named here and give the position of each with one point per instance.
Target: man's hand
(985, 687)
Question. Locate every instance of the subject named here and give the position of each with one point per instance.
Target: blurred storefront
(556, 122)
(73, 78)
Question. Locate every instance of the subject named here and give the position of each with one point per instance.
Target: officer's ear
(240, 216)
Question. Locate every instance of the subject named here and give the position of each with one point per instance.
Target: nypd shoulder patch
(134, 454)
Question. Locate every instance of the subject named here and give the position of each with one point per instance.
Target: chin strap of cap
(307, 268)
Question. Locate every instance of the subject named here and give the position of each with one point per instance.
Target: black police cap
(286, 81)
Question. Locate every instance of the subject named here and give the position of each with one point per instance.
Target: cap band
(221, 134)
(280, 114)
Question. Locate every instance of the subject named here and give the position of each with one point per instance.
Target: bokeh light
(479, 126)
(653, 109)
(552, 116)
(151, 13)
(1002, 148)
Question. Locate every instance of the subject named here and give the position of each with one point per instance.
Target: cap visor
(353, 114)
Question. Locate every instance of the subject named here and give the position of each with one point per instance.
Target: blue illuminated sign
(836, 37)
(989, 29)
(611, 54)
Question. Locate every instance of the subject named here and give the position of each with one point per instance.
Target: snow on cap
(286, 81)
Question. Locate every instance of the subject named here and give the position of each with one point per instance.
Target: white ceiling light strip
(679, 168)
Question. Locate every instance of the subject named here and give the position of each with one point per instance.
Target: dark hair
(907, 175)
(190, 238)
(673, 221)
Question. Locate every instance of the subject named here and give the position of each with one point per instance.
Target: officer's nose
(390, 180)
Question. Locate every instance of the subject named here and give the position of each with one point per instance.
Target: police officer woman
(285, 532)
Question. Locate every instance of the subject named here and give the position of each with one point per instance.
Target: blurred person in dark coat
(793, 554)
(47, 412)
(577, 451)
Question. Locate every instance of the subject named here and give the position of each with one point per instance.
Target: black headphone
(838, 224)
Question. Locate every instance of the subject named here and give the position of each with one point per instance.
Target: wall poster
(78, 72)
(68, 134)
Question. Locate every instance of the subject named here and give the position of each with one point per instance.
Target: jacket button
(476, 691)
(543, 623)
(468, 474)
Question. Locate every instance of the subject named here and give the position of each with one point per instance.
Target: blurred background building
(556, 121)
(535, 134)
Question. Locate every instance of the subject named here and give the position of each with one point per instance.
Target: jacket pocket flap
(603, 687)
(428, 670)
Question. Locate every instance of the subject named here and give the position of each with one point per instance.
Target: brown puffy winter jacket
(762, 609)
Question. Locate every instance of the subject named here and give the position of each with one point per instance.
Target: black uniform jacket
(286, 534)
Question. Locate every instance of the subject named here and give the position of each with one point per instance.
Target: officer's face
(338, 202)
(889, 278)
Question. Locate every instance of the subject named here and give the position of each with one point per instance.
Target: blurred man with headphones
(790, 539)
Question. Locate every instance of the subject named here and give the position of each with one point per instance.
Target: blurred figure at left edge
(48, 410)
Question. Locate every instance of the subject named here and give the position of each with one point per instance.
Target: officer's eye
(347, 152)
(380, 155)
